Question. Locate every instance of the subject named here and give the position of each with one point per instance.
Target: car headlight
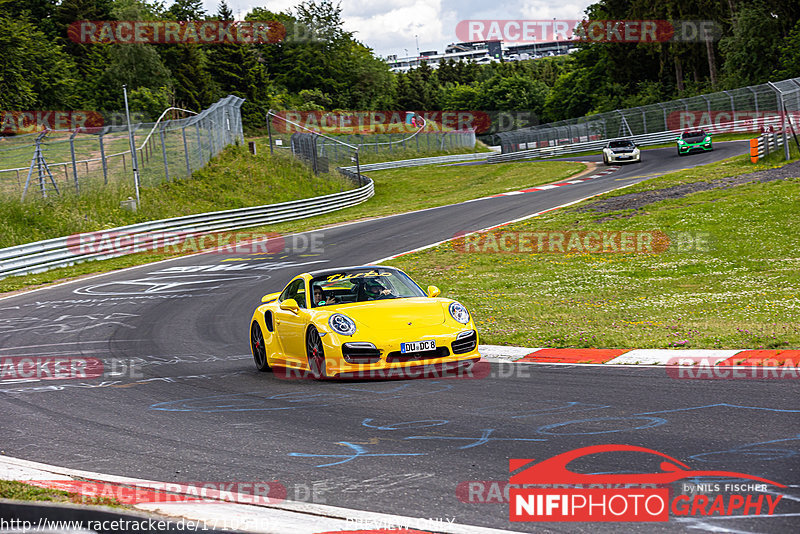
(459, 312)
(681, 142)
(342, 324)
(635, 151)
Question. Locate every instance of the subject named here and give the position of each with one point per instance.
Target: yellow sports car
(369, 321)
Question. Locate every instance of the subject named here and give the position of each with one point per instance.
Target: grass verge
(18, 491)
(396, 191)
(729, 279)
(234, 179)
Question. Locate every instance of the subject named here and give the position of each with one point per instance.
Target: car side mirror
(290, 305)
(433, 291)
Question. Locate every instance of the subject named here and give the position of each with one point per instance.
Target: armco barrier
(643, 140)
(761, 146)
(52, 253)
(435, 160)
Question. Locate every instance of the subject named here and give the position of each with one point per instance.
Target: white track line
(287, 517)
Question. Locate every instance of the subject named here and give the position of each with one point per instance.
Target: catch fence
(58, 161)
(750, 108)
(324, 152)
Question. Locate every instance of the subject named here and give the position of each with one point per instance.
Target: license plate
(418, 346)
(623, 157)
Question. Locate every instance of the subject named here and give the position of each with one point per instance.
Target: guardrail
(65, 251)
(656, 138)
(455, 158)
(761, 146)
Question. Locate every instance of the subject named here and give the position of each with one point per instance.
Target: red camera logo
(529, 501)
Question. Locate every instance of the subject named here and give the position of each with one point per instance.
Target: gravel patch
(635, 201)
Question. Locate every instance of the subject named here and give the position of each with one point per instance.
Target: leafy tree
(752, 51)
(789, 55)
(151, 103)
(460, 97)
(35, 73)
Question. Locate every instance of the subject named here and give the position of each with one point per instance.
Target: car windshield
(698, 133)
(361, 285)
(620, 144)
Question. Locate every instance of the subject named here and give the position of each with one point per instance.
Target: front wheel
(315, 354)
(259, 348)
(605, 160)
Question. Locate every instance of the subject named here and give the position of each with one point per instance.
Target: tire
(315, 354)
(605, 160)
(259, 348)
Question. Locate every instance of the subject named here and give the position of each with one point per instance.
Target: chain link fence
(59, 161)
(762, 104)
(322, 151)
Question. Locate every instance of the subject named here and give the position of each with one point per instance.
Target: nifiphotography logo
(549, 491)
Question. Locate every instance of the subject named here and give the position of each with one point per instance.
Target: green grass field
(18, 491)
(729, 279)
(235, 179)
(396, 191)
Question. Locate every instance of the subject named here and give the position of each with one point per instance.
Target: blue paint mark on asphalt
(246, 402)
(648, 422)
(758, 454)
(424, 423)
(359, 452)
(485, 433)
(721, 404)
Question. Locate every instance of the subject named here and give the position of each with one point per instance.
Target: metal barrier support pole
(164, 148)
(72, 153)
(186, 152)
(103, 158)
(269, 131)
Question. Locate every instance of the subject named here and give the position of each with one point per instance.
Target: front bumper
(695, 147)
(623, 158)
(450, 354)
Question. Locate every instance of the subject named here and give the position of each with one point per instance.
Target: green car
(694, 140)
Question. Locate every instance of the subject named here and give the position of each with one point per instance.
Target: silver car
(621, 151)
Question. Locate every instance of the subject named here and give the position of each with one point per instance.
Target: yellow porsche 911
(369, 321)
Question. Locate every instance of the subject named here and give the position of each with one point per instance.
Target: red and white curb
(605, 172)
(226, 511)
(645, 357)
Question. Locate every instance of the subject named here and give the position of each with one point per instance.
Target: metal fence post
(74, 164)
(199, 144)
(269, 131)
(664, 111)
(103, 156)
(186, 151)
(164, 149)
(733, 106)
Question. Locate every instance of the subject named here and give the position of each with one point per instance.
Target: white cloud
(392, 27)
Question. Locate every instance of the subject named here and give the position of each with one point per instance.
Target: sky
(395, 26)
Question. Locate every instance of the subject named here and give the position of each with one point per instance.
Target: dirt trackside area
(635, 201)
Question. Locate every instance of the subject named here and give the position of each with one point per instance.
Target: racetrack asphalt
(181, 400)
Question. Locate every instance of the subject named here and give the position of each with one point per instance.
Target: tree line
(41, 68)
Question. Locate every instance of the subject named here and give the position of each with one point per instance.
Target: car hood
(696, 139)
(397, 313)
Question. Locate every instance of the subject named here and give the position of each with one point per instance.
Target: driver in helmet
(376, 290)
